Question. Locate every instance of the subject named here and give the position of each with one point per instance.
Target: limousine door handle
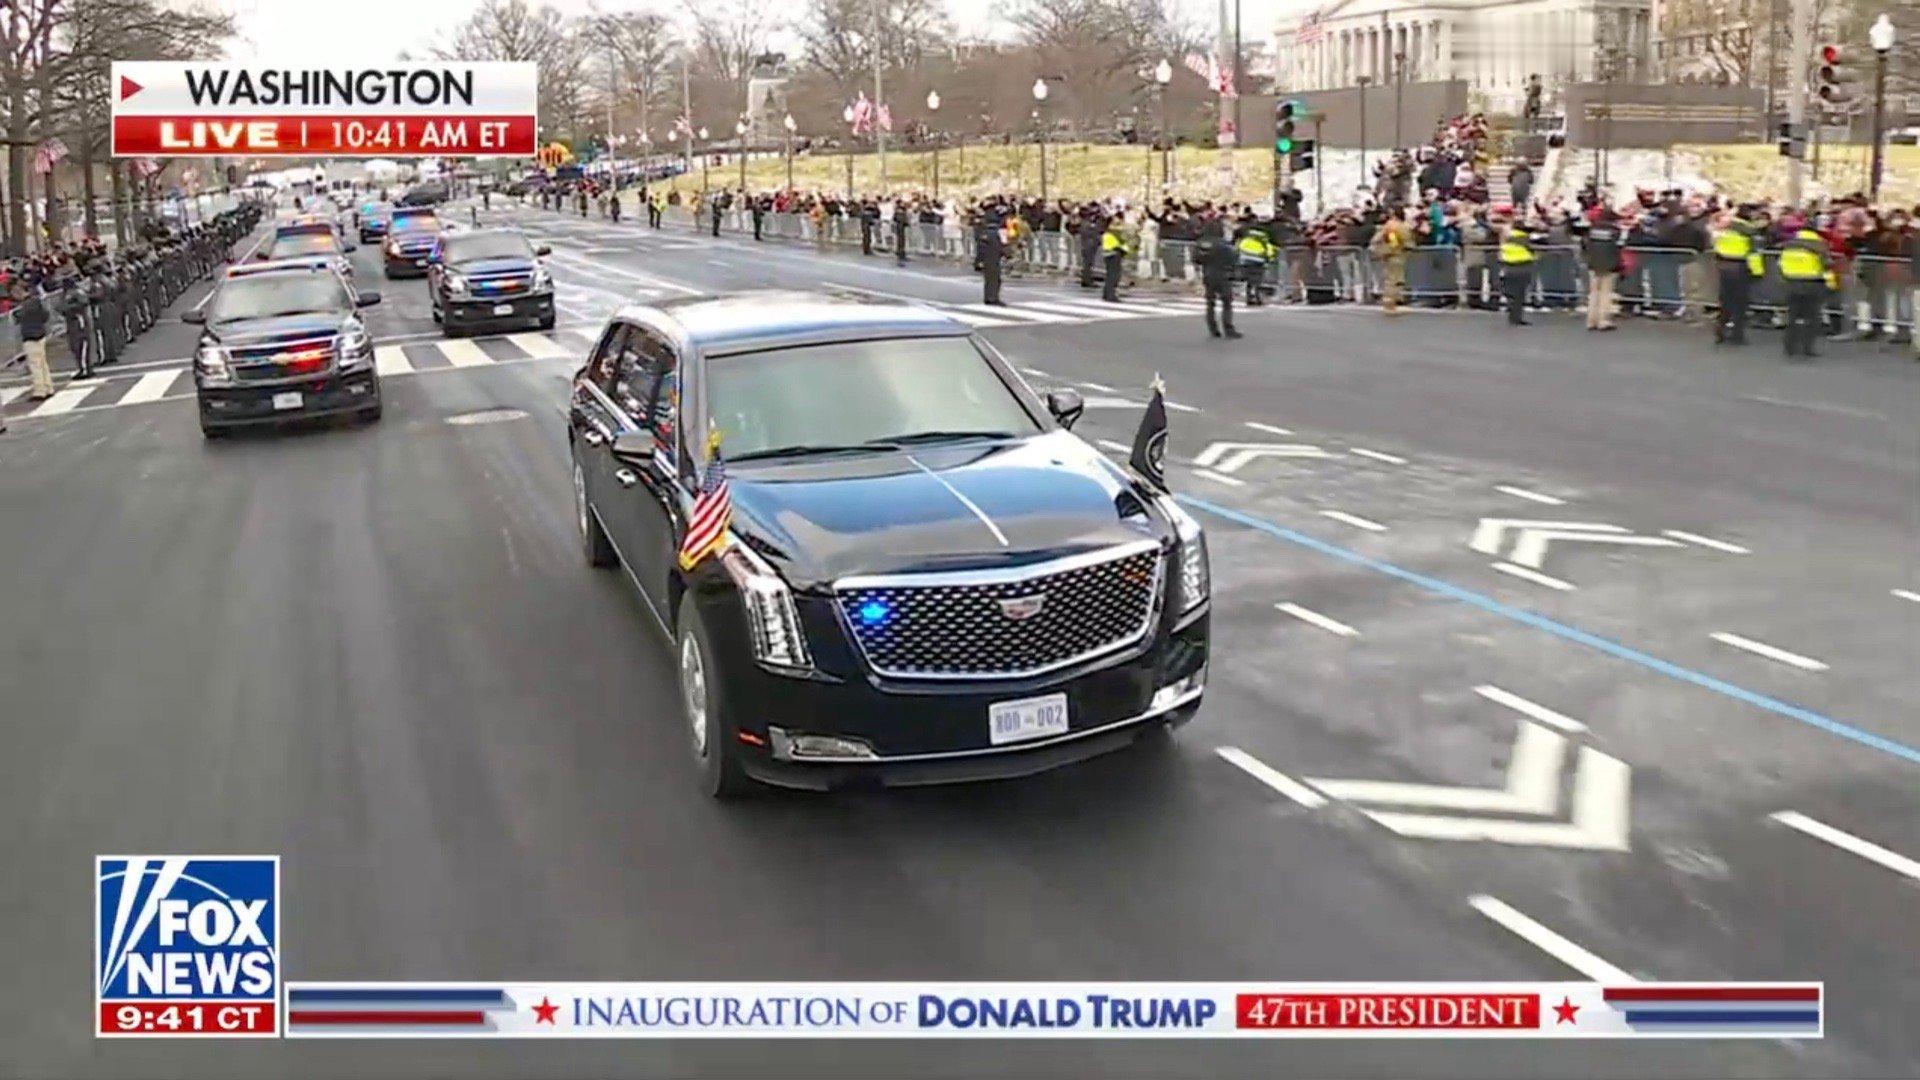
(592, 437)
(627, 477)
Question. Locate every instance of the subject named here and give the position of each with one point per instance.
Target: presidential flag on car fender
(712, 511)
(1149, 455)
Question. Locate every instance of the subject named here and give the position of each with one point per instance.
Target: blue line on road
(1562, 630)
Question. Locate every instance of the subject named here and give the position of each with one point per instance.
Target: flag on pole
(863, 116)
(885, 120)
(712, 511)
(1149, 455)
(683, 125)
(49, 154)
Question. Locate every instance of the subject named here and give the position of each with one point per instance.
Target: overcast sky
(347, 31)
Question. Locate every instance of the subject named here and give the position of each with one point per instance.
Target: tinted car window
(664, 374)
(458, 249)
(635, 373)
(853, 392)
(298, 244)
(266, 295)
(600, 369)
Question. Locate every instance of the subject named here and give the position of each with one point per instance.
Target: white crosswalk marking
(463, 353)
(537, 345)
(1012, 313)
(66, 400)
(391, 360)
(971, 319)
(151, 387)
(8, 393)
(1087, 313)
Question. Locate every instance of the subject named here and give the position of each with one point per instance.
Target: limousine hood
(968, 505)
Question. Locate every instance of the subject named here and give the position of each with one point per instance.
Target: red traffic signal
(1829, 55)
(1832, 77)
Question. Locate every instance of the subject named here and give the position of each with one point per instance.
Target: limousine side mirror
(193, 315)
(1066, 406)
(366, 299)
(543, 250)
(633, 448)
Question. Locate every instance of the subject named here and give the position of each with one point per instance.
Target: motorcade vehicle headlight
(542, 278)
(772, 619)
(211, 363)
(356, 348)
(1193, 577)
(393, 247)
(456, 283)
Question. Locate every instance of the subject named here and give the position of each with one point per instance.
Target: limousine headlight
(211, 363)
(772, 618)
(1195, 577)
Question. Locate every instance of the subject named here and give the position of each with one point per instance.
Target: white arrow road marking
(1706, 541)
(1866, 849)
(1116, 447)
(1278, 781)
(1550, 942)
(1533, 783)
(1534, 576)
(1308, 615)
(1530, 496)
(1354, 520)
(1233, 456)
(1220, 478)
(1804, 663)
(1530, 549)
(1600, 814)
(1489, 534)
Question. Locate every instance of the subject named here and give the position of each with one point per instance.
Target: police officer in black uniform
(869, 219)
(107, 314)
(75, 308)
(988, 250)
(1218, 263)
(900, 215)
(759, 209)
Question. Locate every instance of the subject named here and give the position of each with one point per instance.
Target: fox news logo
(187, 945)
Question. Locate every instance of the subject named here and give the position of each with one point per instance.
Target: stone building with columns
(1492, 45)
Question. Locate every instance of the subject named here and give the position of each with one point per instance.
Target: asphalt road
(375, 650)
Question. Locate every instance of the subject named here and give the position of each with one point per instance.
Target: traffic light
(1784, 138)
(1283, 115)
(1834, 80)
(1302, 154)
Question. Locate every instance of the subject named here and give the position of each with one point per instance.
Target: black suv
(411, 236)
(488, 279)
(927, 577)
(282, 342)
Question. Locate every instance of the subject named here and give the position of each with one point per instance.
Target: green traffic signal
(1284, 145)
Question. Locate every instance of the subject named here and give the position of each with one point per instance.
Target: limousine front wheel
(711, 730)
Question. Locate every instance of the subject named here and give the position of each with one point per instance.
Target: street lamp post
(1880, 36)
(1362, 80)
(787, 123)
(933, 106)
(703, 162)
(1162, 75)
(1040, 124)
(1399, 89)
(740, 137)
(847, 115)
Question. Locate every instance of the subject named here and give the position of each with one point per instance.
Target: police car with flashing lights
(930, 578)
(489, 279)
(283, 342)
(412, 233)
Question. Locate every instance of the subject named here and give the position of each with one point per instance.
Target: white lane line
(463, 353)
(1278, 781)
(1271, 429)
(150, 387)
(1846, 841)
(1097, 387)
(975, 320)
(1307, 615)
(1706, 541)
(1534, 576)
(1177, 407)
(391, 360)
(1804, 663)
(1549, 942)
(66, 400)
(1391, 459)
(1907, 594)
(1529, 709)
(1035, 372)
(1534, 496)
(1220, 478)
(1116, 447)
(1353, 520)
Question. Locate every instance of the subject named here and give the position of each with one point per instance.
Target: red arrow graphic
(128, 88)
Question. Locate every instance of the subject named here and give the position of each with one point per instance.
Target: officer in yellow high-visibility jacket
(1808, 273)
(1256, 252)
(1739, 263)
(1516, 270)
(1113, 252)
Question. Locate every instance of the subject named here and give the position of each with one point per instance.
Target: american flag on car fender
(712, 511)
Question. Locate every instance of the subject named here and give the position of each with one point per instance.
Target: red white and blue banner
(1052, 1010)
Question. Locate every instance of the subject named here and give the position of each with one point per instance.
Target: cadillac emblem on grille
(1021, 608)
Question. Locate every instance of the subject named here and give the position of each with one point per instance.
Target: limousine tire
(711, 730)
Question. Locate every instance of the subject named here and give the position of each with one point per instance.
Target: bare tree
(728, 35)
(841, 37)
(1099, 47)
(516, 30)
(642, 48)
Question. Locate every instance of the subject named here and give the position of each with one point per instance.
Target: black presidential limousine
(929, 578)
